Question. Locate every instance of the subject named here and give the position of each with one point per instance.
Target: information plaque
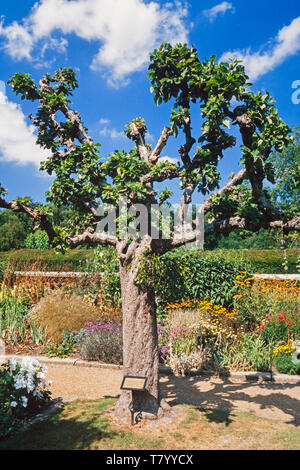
(132, 382)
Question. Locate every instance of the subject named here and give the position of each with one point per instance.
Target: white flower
(13, 364)
(14, 404)
(24, 401)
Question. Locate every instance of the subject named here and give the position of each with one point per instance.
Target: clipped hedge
(48, 260)
(263, 261)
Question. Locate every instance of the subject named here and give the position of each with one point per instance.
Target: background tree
(17, 228)
(12, 231)
(83, 179)
(286, 193)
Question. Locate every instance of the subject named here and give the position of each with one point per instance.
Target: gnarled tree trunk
(140, 347)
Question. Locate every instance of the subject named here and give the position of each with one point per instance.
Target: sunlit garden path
(278, 401)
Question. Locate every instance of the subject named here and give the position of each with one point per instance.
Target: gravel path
(268, 400)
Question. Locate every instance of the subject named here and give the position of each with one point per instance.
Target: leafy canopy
(222, 93)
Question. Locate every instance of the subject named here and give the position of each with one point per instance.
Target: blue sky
(108, 43)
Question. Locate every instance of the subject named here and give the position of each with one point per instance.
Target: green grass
(83, 425)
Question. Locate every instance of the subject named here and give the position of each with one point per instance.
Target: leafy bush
(286, 359)
(285, 365)
(102, 342)
(272, 261)
(60, 311)
(185, 274)
(23, 392)
(62, 350)
(37, 240)
(250, 352)
(263, 261)
(68, 345)
(105, 260)
(12, 232)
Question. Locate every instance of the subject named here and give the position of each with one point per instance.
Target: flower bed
(262, 316)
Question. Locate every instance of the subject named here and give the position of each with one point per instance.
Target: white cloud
(17, 138)
(124, 31)
(19, 41)
(286, 44)
(169, 159)
(104, 121)
(111, 132)
(219, 9)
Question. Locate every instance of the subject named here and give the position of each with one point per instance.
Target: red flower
(290, 322)
(262, 327)
(281, 318)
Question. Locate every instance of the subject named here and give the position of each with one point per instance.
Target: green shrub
(184, 274)
(284, 364)
(37, 240)
(105, 260)
(263, 261)
(62, 350)
(248, 353)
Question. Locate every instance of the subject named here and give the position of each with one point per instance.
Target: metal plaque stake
(132, 383)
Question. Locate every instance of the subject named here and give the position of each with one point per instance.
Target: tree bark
(140, 347)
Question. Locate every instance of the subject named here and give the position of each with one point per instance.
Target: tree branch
(226, 226)
(89, 237)
(155, 154)
(137, 134)
(184, 150)
(237, 179)
(169, 173)
(40, 218)
(79, 131)
(255, 173)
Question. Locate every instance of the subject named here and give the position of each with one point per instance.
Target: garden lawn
(83, 425)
